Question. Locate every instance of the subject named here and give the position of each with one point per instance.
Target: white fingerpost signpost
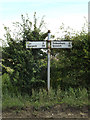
(50, 44)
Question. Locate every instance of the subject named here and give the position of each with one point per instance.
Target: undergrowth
(72, 97)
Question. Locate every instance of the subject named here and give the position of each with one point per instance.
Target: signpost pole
(48, 65)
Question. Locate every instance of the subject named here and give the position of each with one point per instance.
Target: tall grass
(9, 101)
(76, 97)
(72, 97)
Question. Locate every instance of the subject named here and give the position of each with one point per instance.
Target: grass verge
(72, 97)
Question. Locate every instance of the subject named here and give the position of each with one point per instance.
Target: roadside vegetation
(72, 97)
(24, 71)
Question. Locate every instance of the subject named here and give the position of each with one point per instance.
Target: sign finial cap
(48, 31)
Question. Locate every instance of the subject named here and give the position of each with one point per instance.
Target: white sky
(56, 12)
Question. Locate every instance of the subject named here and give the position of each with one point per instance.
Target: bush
(7, 86)
(27, 66)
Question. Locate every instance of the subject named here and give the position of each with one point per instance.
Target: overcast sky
(56, 12)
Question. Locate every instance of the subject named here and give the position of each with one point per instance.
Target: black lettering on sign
(58, 43)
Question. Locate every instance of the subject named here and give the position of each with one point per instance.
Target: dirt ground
(56, 111)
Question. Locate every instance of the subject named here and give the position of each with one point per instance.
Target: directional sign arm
(36, 44)
(61, 44)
